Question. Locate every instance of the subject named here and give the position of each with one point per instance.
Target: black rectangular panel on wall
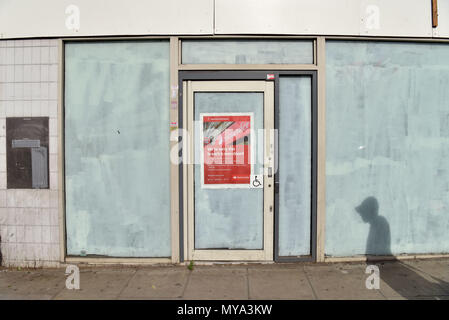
(27, 153)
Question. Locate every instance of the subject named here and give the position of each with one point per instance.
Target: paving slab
(279, 283)
(438, 270)
(340, 281)
(272, 266)
(411, 279)
(102, 284)
(31, 284)
(403, 279)
(419, 298)
(156, 284)
(217, 283)
(25, 297)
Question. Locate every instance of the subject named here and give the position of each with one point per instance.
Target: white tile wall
(29, 223)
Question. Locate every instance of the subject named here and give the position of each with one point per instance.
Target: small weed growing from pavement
(190, 266)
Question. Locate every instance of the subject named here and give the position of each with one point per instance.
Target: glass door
(229, 170)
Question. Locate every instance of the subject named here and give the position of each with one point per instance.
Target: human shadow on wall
(404, 279)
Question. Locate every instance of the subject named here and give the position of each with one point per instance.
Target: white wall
(47, 18)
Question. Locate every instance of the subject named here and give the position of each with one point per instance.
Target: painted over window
(269, 51)
(117, 148)
(295, 165)
(387, 148)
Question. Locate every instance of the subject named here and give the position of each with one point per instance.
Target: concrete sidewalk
(417, 279)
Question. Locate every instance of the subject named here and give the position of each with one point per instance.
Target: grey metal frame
(258, 75)
(314, 160)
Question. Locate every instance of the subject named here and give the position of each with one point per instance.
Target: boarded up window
(117, 165)
(387, 148)
(27, 153)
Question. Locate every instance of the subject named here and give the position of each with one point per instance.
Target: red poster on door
(226, 151)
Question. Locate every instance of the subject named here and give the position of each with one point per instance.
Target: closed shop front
(223, 131)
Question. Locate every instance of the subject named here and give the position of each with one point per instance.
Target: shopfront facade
(223, 137)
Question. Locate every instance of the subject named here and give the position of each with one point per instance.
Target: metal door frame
(257, 75)
(265, 253)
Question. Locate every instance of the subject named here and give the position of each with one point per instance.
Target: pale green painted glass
(295, 148)
(229, 218)
(247, 51)
(387, 148)
(117, 148)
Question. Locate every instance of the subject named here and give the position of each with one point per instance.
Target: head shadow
(379, 237)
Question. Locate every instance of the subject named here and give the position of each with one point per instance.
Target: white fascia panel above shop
(403, 18)
(54, 18)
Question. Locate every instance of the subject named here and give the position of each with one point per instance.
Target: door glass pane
(117, 148)
(295, 119)
(247, 51)
(228, 218)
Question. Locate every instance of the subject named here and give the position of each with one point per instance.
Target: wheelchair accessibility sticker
(256, 181)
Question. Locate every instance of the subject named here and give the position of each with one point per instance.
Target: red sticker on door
(226, 150)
